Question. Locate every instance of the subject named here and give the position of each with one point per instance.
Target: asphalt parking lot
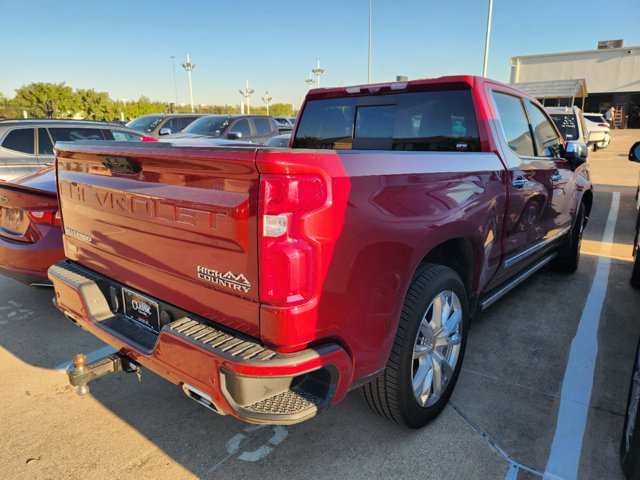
(543, 388)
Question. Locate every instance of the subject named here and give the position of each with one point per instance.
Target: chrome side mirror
(234, 136)
(576, 152)
(165, 131)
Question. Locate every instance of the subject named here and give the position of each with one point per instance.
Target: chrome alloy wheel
(436, 348)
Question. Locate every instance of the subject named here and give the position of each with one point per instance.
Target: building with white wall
(612, 77)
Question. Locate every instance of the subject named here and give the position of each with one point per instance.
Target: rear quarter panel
(390, 210)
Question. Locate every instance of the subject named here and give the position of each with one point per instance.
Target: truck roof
(453, 81)
(423, 84)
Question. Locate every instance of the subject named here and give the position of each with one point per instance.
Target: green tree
(281, 110)
(142, 106)
(47, 100)
(96, 105)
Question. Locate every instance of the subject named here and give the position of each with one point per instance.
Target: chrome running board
(496, 294)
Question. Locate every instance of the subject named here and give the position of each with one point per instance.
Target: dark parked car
(634, 156)
(630, 444)
(158, 124)
(27, 145)
(248, 128)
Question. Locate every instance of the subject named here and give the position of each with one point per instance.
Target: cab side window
(514, 123)
(546, 139)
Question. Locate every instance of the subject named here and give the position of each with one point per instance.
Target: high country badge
(229, 280)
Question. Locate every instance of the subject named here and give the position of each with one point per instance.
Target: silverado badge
(229, 280)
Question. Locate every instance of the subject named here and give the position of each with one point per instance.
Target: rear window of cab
(421, 121)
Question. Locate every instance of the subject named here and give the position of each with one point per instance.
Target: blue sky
(124, 47)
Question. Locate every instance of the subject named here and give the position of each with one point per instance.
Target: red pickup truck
(267, 283)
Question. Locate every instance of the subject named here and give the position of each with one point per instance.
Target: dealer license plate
(141, 310)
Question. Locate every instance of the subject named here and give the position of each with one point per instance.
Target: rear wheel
(427, 352)
(569, 255)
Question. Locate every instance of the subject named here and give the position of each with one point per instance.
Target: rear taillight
(45, 217)
(289, 253)
(144, 138)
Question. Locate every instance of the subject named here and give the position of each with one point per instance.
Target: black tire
(635, 273)
(630, 444)
(569, 255)
(392, 394)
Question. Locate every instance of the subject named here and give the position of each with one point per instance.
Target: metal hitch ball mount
(80, 374)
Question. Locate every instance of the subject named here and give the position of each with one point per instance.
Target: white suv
(571, 124)
(596, 123)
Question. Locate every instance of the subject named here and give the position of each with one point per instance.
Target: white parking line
(91, 357)
(564, 458)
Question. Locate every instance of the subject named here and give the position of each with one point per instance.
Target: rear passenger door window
(20, 140)
(65, 134)
(546, 140)
(514, 124)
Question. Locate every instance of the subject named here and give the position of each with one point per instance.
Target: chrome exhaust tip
(200, 397)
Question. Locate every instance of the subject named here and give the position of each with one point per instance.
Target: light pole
(267, 99)
(486, 41)
(309, 81)
(369, 57)
(175, 83)
(246, 93)
(317, 72)
(189, 67)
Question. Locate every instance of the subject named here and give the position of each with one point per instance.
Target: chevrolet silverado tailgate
(176, 223)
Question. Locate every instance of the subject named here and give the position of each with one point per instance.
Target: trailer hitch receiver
(82, 373)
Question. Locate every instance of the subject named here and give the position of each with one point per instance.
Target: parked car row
(27, 145)
(30, 234)
(158, 124)
(247, 128)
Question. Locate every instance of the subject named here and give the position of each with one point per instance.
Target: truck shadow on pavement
(32, 329)
(348, 440)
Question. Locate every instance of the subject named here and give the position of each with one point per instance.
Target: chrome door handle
(519, 182)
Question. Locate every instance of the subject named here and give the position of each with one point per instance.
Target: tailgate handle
(119, 164)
